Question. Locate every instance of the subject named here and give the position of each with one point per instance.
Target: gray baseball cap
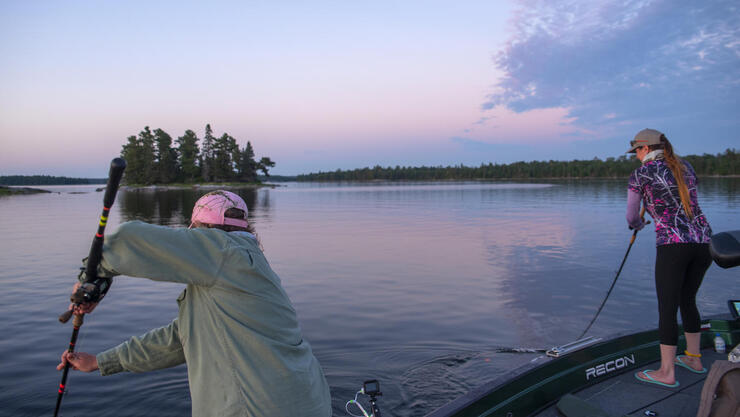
(645, 137)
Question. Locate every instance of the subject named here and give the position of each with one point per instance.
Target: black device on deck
(371, 387)
(734, 306)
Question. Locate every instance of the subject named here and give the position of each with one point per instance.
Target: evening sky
(342, 84)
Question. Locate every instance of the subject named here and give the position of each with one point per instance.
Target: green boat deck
(624, 395)
(601, 375)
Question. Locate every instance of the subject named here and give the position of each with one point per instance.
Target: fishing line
(632, 241)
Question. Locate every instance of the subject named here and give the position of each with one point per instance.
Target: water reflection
(720, 190)
(412, 284)
(173, 207)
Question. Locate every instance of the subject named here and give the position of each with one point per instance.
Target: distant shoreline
(496, 179)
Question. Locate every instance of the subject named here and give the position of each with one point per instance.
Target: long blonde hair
(678, 169)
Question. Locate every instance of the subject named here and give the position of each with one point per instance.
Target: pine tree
(236, 157)
(232, 149)
(188, 156)
(131, 152)
(146, 144)
(247, 167)
(139, 154)
(264, 165)
(223, 150)
(206, 155)
(166, 157)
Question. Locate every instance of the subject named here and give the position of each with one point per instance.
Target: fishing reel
(643, 225)
(91, 291)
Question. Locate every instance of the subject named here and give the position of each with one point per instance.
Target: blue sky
(330, 85)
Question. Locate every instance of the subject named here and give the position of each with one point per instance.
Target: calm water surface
(414, 284)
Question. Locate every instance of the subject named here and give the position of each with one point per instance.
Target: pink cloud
(548, 125)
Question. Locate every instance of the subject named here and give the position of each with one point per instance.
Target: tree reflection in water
(173, 207)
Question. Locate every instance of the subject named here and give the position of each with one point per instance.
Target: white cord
(346, 406)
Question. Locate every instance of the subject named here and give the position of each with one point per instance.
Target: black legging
(679, 270)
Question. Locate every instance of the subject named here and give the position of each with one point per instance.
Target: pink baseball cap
(211, 207)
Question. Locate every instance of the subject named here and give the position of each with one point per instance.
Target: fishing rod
(632, 241)
(94, 287)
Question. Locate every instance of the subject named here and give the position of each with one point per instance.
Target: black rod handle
(117, 166)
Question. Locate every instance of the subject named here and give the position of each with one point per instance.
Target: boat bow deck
(624, 395)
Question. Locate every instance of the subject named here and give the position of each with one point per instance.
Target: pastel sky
(345, 84)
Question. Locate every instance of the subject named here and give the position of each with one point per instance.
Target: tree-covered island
(152, 159)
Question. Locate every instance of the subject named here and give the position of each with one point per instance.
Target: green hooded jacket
(236, 328)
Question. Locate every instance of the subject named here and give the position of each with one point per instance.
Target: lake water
(414, 284)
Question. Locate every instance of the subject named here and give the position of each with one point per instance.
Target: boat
(595, 376)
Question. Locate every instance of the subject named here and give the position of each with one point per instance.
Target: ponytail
(678, 169)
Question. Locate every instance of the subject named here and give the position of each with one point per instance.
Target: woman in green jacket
(236, 328)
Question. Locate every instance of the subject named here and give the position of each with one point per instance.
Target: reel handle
(64, 317)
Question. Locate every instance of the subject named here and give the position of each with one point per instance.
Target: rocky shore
(5, 190)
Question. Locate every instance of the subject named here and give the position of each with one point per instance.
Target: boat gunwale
(544, 379)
